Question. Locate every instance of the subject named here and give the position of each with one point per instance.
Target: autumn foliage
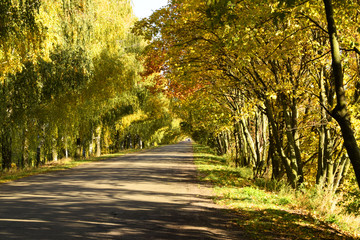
(254, 80)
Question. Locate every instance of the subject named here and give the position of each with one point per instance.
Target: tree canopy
(274, 85)
(70, 82)
(258, 81)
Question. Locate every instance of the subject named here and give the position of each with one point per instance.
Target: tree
(340, 112)
(69, 75)
(265, 63)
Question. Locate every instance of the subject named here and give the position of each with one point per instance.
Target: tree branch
(315, 22)
(355, 49)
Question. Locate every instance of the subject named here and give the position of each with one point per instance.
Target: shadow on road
(150, 195)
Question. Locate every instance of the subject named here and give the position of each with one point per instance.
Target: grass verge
(63, 164)
(278, 213)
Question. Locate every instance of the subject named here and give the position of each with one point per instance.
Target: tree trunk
(54, 150)
(290, 116)
(237, 142)
(130, 142)
(290, 165)
(66, 148)
(344, 168)
(340, 172)
(275, 162)
(91, 145)
(259, 160)
(250, 141)
(54, 154)
(6, 150)
(38, 156)
(219, 143)
(98, 141)
(226, 141)
(340, 112)
(25, 149)
(265, 140)
(325, 171)
(261, 129)
(323, 141)
(78, 148)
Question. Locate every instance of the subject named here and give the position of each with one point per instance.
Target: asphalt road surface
(148, 195)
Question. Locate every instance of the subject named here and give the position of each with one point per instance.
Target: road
(148, 195)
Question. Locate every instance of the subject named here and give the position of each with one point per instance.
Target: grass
(63, 164)
(272, 210)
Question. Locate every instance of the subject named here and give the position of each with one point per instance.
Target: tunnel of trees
(274, 85)
(70, 83)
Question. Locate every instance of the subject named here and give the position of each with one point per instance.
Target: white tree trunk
(98, 140)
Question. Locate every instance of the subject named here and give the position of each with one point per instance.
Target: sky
(144, 8)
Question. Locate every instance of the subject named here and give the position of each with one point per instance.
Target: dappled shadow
(148, 195)
(275, 224)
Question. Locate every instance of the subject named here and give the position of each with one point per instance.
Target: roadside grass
(272, 210)
(60, 165)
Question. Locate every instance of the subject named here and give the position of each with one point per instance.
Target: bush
(352, 203)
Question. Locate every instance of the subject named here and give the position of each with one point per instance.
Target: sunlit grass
(271, 209)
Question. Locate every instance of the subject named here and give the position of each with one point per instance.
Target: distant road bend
(147, 195)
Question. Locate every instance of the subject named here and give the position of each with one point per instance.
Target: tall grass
(301, 210)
